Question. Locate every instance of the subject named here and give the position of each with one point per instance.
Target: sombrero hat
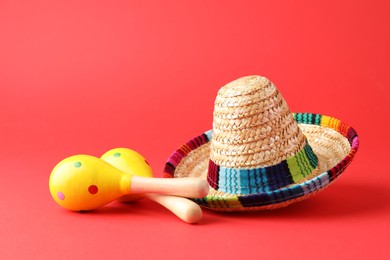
(259, 155)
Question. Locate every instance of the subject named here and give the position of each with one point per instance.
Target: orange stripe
(334, 123)
(185, 148)
(344, 129)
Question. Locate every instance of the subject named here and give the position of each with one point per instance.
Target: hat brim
(334, 142)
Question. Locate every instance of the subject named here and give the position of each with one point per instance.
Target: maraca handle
(190, 187)
(186, 210)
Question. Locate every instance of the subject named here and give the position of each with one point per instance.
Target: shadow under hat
(259, 155)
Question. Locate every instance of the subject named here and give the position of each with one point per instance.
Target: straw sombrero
(259, 155)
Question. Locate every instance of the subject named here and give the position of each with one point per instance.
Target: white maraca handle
(190, 187)
(183, 208)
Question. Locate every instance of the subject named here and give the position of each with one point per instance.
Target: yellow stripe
(325, 121)
(330, 122)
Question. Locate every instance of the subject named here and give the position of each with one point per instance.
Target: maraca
(133, 163)
(130, 162)
(84, 182)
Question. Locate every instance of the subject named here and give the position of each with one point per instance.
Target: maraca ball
(130, 162)
(84, 182)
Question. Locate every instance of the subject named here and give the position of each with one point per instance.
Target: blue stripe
(273, 197)
(209, 134)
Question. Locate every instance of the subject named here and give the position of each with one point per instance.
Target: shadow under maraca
(113, 208)
(116, 207)
(343, 200)
(141, 207)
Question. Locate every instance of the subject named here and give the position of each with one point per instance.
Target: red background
(85, 77)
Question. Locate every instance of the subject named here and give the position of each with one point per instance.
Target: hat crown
(254, 134)
(253, 126)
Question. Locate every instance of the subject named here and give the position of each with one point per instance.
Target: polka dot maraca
(130, 162)
(84, 182)
(133, 163)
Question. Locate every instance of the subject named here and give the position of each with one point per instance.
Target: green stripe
(304, 117)
(307, 166)
(308, 118)
(302, 163)
(313, 160)
(297, 116)
(318, 119)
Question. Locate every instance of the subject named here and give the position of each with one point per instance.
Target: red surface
(85, 77)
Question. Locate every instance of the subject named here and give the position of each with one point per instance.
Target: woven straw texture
(252, 125)
(261, 156)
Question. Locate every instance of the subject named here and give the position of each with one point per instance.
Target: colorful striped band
(252, 181)
(283, 194)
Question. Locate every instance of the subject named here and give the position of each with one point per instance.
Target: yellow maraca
(84, 182)
(133, 163)
(130, 162)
